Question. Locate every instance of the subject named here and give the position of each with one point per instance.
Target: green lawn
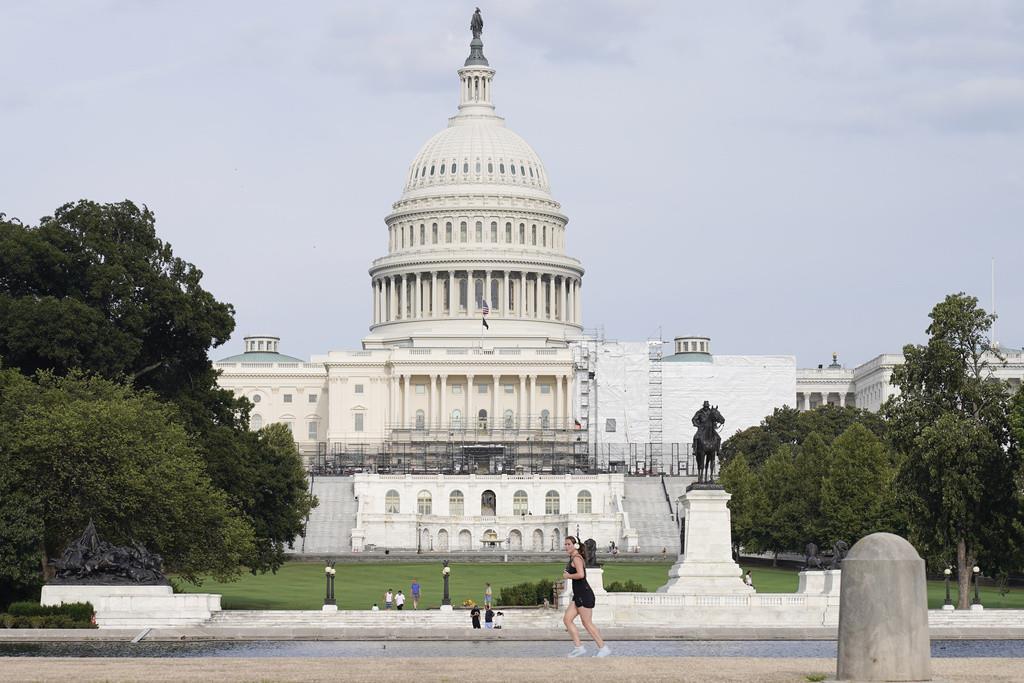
(300, 585)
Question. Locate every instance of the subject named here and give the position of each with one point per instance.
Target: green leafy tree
(94, 288)
(857, 489)
(960, 476)
(78, 448)
(782, 525)
(813, 459)
(747, 507)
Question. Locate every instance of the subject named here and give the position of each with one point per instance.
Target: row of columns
(438, 413)
(521, 294)
(823, 398)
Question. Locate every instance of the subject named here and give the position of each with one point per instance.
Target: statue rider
(704, 414)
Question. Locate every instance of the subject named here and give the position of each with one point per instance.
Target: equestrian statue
(706, 442)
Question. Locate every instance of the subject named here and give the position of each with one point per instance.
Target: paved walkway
(618, 669)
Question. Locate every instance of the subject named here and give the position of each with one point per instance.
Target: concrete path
(618, 669)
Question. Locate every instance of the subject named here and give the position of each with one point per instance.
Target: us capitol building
(478, 414)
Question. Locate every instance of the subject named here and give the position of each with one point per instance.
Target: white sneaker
(578, 651)
(604, 652)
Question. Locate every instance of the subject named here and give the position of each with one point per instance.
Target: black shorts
(584, 599)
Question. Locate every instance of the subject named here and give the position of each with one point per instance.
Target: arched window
(488, 503)
(522, 233)
(501, 168)
(584, 502)
(465, 167)
(510, 419)
(533, 238)
(421, 419)
(442, 168)
(256, 422)
(478, 167)
(545, 419)
(494, 231)
(454, 167)
(456, 419)
(479, 232)
(508, 233)
(423, 234)
(392, 502)
(463, 294)
(448, 232)
(551, 506)
(456, 503)
(495, 291)
(481, 419)
(424, 503)
(463, 231)
(432, 169)
(512, 167)
(520, 503)
(478, 292)
(490, 167)
(433, 234)
(544, 236)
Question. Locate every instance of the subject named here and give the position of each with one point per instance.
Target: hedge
(625, 587)
(34, 615)
(529, 594)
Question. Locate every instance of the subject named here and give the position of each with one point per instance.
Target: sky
(793, 177)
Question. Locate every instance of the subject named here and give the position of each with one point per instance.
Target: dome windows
(512, 167)
(494, 231)
(478, 167)
(490, 167)
(522, 171)
(531, 171)
(479, 232)
(441, 170)
(432, 169)
(454, 168)
(501, 168)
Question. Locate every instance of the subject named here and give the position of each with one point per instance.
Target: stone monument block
(883, 613)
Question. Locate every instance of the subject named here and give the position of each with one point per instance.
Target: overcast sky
(785, 177)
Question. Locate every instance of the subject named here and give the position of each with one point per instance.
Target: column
(431, 405)
(521, 301)
(418, 298)
(504, 294)
(563, 299)
(392, 399)
(551, 297)
(433, 294)
(470, 294)
(373, 288)
(579, 301)
(571, 299)
(532, 407)
(469, 403)
(487, 288)
(443, 417)
(407, 402)
(494, 401)
(451, 293)
(556, 408)
(521, 402)
(394, 297)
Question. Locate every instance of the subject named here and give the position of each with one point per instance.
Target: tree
(93, 288)
(747, 507)
(788, 426)
(857, 489)
(782, 526)
(960, 477)
(812, 462)
(79, 448)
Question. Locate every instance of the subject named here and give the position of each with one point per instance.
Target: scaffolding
(654, 400)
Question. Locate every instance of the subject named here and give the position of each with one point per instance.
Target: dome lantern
(476, 75)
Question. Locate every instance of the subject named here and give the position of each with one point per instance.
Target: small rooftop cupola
(261, 343)
(475, 76)
(691, 349)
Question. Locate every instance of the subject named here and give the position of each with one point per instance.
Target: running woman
(582, 601)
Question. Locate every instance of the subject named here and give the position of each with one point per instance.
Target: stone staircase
(329, 529)
(433, 618)
(988, 618)
(649, 514)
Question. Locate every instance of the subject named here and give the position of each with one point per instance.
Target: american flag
(487, 309)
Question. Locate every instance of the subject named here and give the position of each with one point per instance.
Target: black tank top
(578, 585)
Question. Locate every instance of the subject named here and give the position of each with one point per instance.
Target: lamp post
(976, 602)
(446, 601)
(949, 603)
(330, 605)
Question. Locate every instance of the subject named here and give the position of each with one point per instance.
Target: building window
(256, 398)
(551, 506)
(392, 502)
(423, 234)
(545, 388)
(544, 236)
(359, 422)
(478, 167)
(545, 419)
(479, 232)
(508, 233)
(290, 425)
(512, 167)
(490, 167)
(609, 424)
(454, 167)
(312, 398)
(584, 502)
(509, 388)
(533, 238)
(311, 430)
(501, 168)
(424, 503)
(448, 233)
(421, 419)
(481, 388)
(256, 422)
(494, 231)
(481, 419)
(510, 419)
(456, 503)
(287, 398)
(463, 232)
(520, 503)
(522, 233)
(433, 234)
(359, 388)
(456, 388)
(456, 419)
(421, 389)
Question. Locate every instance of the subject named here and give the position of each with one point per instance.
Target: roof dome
(477, 151)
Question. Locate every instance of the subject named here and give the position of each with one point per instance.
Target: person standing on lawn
(415, 593)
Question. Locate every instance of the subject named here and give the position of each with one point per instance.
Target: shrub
(34, 615)
(625, 587)
(528, 594)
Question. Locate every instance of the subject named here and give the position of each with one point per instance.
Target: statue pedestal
(330, 608)
(811, 582)
(706, 565)
(595, 577)
(446, 608)
(136, 606)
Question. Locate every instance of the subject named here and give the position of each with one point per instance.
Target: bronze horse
(707, 444)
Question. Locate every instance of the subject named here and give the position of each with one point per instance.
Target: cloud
(977, 105)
